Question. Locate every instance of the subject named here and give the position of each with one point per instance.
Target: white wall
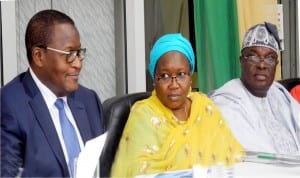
(9, 40)
(135, 46)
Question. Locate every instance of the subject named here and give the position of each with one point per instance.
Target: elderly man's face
(258, 76)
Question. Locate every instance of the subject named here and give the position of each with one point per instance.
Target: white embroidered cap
(262, 35)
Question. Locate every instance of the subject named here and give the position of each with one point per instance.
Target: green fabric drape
(217, 42)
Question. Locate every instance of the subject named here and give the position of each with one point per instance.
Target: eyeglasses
(269, 60)
(71, 55)
(180, 78)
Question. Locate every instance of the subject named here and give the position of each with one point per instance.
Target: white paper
(88, 158)
(239, 170)
(196, 172)
(261, 170)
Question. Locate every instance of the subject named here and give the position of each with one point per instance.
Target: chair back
(116, 112)
(290, 83)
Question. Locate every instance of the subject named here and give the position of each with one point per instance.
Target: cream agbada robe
(246, 121)
(153, 141)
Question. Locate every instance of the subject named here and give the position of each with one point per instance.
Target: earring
(189, 93)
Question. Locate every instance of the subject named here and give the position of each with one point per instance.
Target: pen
(269, 156)
(292, 159)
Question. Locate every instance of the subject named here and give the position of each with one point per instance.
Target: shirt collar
(47, 94)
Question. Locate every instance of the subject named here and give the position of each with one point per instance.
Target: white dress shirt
(50, 98)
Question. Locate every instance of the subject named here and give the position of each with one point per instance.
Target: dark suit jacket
(28, 136)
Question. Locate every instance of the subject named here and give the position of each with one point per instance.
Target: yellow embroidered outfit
(153, 141)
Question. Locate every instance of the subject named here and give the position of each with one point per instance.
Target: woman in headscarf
(174, 128)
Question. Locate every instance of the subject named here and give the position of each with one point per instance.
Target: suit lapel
(43, 117)
(81, 119)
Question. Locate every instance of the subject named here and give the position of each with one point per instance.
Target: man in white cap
(261, 113)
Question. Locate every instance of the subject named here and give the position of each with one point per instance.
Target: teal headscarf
(167, 43)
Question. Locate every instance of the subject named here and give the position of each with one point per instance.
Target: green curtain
(217, 42)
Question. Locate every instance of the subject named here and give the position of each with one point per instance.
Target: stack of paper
(88, 159)
(217, 171)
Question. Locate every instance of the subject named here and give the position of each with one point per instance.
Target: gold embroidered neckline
(186, 116)
(179, 121)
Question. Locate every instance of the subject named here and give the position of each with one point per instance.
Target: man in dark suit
(33, 142)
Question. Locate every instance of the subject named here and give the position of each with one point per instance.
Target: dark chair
(290, 83)
(116, 112)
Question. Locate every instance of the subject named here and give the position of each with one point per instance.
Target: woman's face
(172, 79)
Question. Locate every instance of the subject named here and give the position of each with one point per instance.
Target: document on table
(254, 165)
(88, 159)
(216, 171)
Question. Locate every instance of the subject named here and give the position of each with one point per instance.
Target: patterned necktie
(69, 135)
